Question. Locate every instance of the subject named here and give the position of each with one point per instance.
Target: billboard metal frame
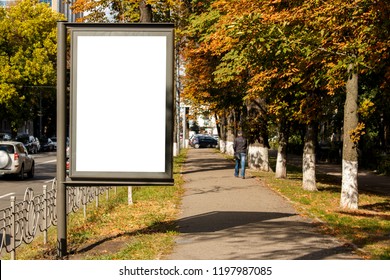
(84, 171)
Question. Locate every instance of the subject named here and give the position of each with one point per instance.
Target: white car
(15, 160)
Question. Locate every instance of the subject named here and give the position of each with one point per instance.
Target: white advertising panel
(121, 106)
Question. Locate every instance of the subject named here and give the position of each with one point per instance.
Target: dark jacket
(240, 145)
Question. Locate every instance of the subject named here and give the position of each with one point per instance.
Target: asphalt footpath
(227, 218)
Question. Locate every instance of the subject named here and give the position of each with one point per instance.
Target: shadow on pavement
(215, 221)
(202, 165)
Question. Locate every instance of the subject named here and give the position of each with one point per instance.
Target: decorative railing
(23, 221)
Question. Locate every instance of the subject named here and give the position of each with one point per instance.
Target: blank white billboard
(121, 104)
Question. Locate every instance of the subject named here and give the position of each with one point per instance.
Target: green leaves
(286, 51)
(27, 55)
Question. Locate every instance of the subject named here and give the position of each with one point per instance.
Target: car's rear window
(8, 148)
(22, 139)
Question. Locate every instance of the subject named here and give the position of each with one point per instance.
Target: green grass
(146, 229)
(116, 230)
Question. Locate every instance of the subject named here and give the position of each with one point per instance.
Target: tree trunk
(145, 11)
(309, 159)
(281, 159)
(258, 157)
(230, 133)
(146, 16)
(222, 133)
(349, 187)
(129, 195)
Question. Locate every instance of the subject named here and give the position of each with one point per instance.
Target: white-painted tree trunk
(230, 133)
(186, 143)
(129, 195)
(349, 190)
(223, 132)
(229, 148)
(176, 149)
(349, 187)
(309, 159)
(281, 159)
(309, 172)
(222, 146)
(281, 166)
(258, 158)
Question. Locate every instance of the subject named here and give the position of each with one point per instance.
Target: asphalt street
(45, 172)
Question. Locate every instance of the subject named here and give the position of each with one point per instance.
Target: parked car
(54, 140)
(203, 141)
(15, 160)
(5, 136)
(30, 142)
(47, 144)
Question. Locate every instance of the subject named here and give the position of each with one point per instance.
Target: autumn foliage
(291, 53)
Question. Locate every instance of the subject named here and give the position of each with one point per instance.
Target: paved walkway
(227, 218)
(367, 180)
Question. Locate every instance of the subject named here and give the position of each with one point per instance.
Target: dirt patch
(104, 247)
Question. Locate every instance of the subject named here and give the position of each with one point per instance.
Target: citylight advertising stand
(121, 108)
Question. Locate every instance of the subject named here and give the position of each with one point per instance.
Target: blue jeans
(240, 163)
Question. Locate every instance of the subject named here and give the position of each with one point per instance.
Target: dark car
(30, 142)
(5, 136)
(54, 140)
(203, 141)
(47, 144)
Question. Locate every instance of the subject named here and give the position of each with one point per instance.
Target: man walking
(240, 146)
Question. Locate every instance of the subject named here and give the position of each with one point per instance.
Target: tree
(200, 85)
(294, 55)
(27, 58)
(145, 11)
(356, 34)
(283, 64)
(349, 188)
(131, 10)
(260, 44)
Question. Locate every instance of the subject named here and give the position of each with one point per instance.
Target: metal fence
(23, 221)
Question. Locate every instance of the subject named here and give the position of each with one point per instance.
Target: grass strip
(144, 230)
(368, 228)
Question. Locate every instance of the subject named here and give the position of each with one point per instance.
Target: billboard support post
(116, 71)
(61, 143)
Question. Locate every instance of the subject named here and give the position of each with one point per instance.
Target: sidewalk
(228, 218)
(367, 180)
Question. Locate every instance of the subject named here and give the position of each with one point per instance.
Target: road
(45, 171)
